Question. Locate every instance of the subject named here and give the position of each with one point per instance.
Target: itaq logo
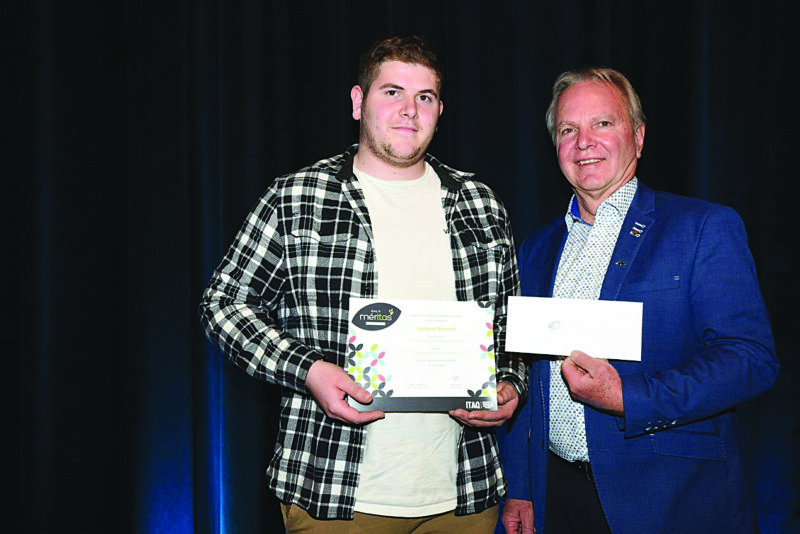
(376, 316)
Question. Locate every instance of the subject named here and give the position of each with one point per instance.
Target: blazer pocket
(649, 286)
(688, 444)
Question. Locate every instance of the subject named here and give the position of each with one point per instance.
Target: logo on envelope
(376, 316)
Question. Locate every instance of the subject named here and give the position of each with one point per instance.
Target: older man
(650, 446)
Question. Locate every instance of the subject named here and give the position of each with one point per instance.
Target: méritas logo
(376, 316)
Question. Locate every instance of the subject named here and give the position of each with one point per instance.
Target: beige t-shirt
(410, 460)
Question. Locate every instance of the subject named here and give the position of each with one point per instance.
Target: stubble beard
(387, 153)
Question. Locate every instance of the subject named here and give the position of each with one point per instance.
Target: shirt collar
(619, 202)
(345, 172)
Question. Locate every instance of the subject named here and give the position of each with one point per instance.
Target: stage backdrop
(148, 129)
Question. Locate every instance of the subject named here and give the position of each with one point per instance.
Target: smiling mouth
(583, 162)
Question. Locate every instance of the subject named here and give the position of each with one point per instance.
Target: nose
(584, 139)
(409, 108)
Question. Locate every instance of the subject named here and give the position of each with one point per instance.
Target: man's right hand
(518, 516)
(330, 386)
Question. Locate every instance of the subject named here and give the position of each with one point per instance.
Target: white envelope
(601, 328)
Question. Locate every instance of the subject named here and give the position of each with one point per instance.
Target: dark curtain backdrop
(148, 129)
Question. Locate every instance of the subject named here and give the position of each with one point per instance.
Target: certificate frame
(416, 355)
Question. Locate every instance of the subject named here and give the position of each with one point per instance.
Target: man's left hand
(507, 399)
(593, 382)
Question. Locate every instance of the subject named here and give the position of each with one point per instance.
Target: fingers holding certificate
(423, 355)
(507, 400)
(330, 386)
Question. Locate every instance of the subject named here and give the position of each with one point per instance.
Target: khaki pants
(297, 521)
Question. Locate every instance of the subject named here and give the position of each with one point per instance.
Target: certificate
(422, 355)
(600, 328)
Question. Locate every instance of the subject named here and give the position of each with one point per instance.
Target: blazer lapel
(635, 229)
(551, 257)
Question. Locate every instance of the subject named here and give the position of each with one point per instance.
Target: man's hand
(593, 382)
(518, 516)
(330, 386)
(507, 400)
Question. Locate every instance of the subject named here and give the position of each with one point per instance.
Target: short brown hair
(595, 74)
(412, 49)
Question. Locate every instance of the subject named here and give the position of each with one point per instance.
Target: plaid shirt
(278, 302)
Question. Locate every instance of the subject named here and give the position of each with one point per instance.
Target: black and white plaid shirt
(278, 302)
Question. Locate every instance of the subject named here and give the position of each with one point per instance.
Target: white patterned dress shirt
(580, 275)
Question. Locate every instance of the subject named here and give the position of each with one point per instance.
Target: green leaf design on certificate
(362, 367)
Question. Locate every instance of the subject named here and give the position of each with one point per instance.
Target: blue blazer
(673, 462)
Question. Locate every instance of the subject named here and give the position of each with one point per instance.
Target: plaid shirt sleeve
(245, 309)
(277, 303)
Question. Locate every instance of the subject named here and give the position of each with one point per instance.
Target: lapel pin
(637, 229)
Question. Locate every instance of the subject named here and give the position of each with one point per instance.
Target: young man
(649, 446)
(381, 220)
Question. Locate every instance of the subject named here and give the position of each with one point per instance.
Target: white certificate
(600, 328)
(422, 355)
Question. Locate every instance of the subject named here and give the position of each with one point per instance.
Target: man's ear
(639, 135)
(357, 96)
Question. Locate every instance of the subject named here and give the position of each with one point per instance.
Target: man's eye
(566, 131)
(604, 124)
